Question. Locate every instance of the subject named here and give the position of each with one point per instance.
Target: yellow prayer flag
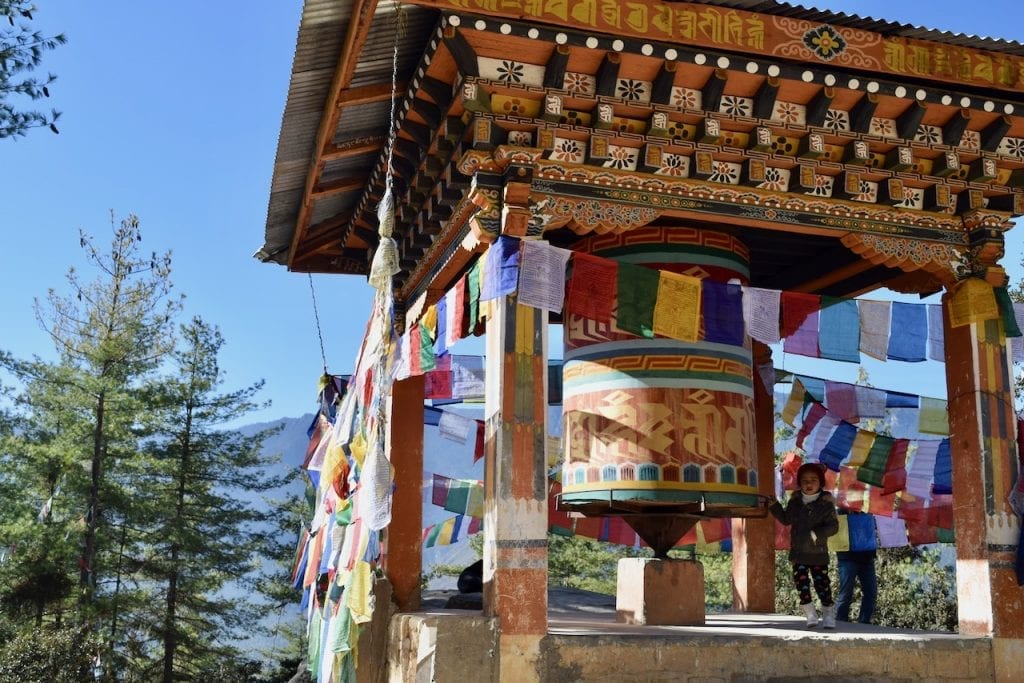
(444, 537)
(358, 592)
(861, 446)
(795, 403)
(973, 301)
(429, 321)
(840, 541)
(677, 309)
(358, 448)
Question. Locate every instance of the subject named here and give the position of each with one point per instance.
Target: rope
(316, 316)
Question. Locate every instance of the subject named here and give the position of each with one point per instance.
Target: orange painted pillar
(983, 444)
(515, 484)
(403, 561)
(753, 539)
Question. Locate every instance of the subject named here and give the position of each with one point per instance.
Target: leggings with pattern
(803, 574)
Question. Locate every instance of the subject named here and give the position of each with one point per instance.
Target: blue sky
(171, 111)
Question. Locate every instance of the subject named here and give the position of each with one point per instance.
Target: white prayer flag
(454, 427)
(761, 313)
(542, 275)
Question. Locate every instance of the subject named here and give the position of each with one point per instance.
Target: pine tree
(110, 335)
(204, 484)
(21, 51)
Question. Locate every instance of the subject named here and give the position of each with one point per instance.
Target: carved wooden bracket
(941, 260)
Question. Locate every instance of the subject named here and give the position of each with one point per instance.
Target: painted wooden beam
(764, 99)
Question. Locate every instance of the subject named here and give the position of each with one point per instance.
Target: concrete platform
(585, 643)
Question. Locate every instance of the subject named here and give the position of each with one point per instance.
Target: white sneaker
(812, 615)
(828, 614)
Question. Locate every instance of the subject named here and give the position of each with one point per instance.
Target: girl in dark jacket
(811, 516)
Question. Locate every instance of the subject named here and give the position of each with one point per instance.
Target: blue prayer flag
(839, 330)
(839, 445)
(501, 271)
(896, 399)
(943, 482)
(440, 345)
(722, 307)
(908, 339)
(862, 532)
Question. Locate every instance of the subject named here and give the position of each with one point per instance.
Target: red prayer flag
(478, 449)
(715, 530)
(592, 287)
(895, 477)
(920, 533)
(814, 416)
(796, 306)
(459, 318)
(415, 367)
(781, 536)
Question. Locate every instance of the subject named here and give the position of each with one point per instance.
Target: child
(811, 516)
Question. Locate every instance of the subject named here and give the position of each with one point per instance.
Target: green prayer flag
(873, 470)
(638, 292)
(1006, 312)
(473, 296)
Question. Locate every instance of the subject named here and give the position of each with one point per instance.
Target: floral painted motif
(913, 198)
(513, 106)
(788, 112)
(634, 91)
(567, 150)
(687, 98)
(1013, 147)
(784, 145)
(822, 186)
(520, 138)
(971, 139)
(577, 83)
(674, 165)
(623, 158)
(736, 106)
(825, 42)
(510, 72)
(725, 172)
(776, 179)
(837, 120)
(885, 128)
(867, 191)
(928, 134)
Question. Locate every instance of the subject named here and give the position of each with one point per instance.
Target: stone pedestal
(660, 592)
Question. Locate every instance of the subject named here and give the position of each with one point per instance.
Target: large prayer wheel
(657, 426)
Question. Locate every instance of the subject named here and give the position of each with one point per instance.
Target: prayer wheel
(658, 430)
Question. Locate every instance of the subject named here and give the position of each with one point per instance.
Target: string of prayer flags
(542, 276)
(761, 314)
(875, 323)
(463, 496)
(839, 337)
(638, 289)
(678, 306)
(800, 323)
(592, 287)
(910, 344)
(501, 268)
(722, 305)
(450, 531)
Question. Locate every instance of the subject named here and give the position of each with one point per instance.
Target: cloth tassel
(385, 258)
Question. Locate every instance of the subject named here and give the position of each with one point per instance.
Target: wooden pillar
(753, 539)
(403, 561)
(983, 445)
(515, 484)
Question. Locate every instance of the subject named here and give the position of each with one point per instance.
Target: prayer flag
(861, 446)
(455, 427)
(478, 448)
(862, 532)
(542, 276)
(441, 336)
(437, 384)
(921, 533)
(1006, 312)
(933, 417)
(1017, 343)
(873, 469)
(839, 337)
(892, 532)
(840, 541)
(501, 269)
(936, 335)
(427, 359)
(794, 406)
(909, 340)
(822, 433)
(677, 309)
(896, 399)
(473, 297)
(841, 400)
(870, 401)
(638, 291)
(874, 328)
(895, 477)
(761, 314)
(922, 469)
(838, 447)
(943, 482)
(814, 386)
(592, 287)
(850, 493)
(415, 351)
(722, 305)
(800, 323)
(814, 416)
(467, 376)
(455, 302)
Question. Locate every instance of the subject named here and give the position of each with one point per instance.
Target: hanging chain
(316, 316)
